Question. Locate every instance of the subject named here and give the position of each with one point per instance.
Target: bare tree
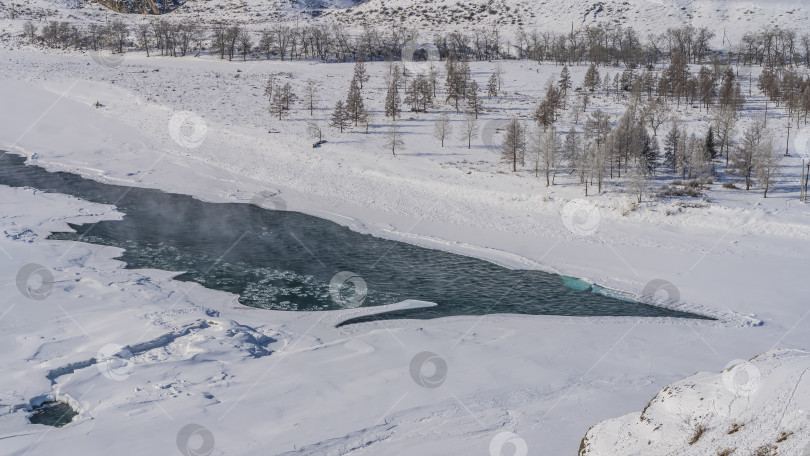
(725, 121)
(655, 114)
(310, 94)
(545, 148)
(30, 30)
(245, 42)
(393, 139)
(442, 128)
(767, 163)
(315, 131)
(744, 160)
(469, 129)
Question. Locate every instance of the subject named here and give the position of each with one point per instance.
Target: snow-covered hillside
(729, 19)
(756, 407)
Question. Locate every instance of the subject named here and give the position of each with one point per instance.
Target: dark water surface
(52, 413)
(285, 260)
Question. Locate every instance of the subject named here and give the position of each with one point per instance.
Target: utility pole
(787, 146)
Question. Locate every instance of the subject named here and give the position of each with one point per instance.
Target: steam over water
(285, 260)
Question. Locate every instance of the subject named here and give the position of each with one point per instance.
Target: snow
(646, 16)
(749, 406)
(266, 382)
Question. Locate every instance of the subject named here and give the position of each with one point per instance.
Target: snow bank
(761, 407)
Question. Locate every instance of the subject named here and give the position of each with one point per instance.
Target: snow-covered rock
(759, 407)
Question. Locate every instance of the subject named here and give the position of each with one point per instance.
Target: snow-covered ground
(757, 407)
(263, 382)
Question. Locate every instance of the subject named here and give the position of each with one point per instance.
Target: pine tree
(564, 84)
(340, 118)
(592, 80)
(492, 86)
(354, 102)
(393, 104)
(360, 73)
(473, 102)
(671, 147)
(710, 148)
(513, 148)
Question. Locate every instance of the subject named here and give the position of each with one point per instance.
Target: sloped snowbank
(761, 407)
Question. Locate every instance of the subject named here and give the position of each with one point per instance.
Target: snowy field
(266, 382)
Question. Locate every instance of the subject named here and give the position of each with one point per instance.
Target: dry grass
(700, 429)
(735, 427)
(783, 436)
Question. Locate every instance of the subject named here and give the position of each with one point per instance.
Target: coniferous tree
(710, 148)
(492, 86)
(513, 147)
(354, 103)
(671, 146)
(564, 84)
(340, 117)
(473, 101)
(360, 73)
(591, 81)
(393, 104)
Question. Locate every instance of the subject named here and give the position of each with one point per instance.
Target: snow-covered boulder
(756, 407)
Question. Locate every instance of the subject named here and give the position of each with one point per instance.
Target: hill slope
(728, 18)
(757, 407)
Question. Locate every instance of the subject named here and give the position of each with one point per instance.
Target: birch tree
(442, 128)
